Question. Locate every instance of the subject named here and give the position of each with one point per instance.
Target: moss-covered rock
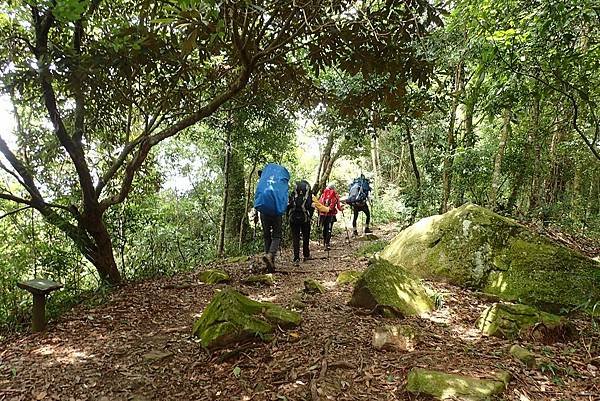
(390, 290)
(445, 386)
(231, 317)
(473, 247)
(213, 276)
(523, 355)
(260, 279)
(395, 338)
(312, 286)
(523, 321)
(348, 277)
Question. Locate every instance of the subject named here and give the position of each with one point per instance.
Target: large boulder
(231, 317)
(391, 291)
(445, 386)
(513, 321)
(476, 248)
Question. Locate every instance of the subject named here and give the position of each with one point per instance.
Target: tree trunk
(221, 244)
(451, 142)
(469, 137)
(415, 169)
(325, 162)
(374, 162)
(504, 134)
(236, 208)
(535, 196)
(244, 224)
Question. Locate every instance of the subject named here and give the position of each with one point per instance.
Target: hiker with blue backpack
(271, 200)
(358, 196)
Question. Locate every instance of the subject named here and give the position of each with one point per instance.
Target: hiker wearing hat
(330, 199)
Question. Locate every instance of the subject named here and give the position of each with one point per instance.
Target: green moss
(312, 286)
(523, 355)
(213, 276)
(348, 277)
(260, 279)
(391, 290)
(232, 317)
(475, 248)
(451, 386)
(513, 321)
(371, 248)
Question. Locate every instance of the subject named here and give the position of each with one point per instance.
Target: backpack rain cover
(271, 196)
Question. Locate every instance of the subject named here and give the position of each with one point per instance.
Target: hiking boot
(327, 247)
(355, 233)
(269, 261)
(296, 262)
(368, 230)
(306, 258)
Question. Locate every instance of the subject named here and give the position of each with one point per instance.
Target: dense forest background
(131, 150)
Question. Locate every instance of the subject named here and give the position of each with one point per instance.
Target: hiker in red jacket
(331, 199)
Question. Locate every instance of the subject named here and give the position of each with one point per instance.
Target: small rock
(524, 355)
(348, 277)
(394, 338)
(312, 286)
(213, 276)
(260, 279)
(156, 355)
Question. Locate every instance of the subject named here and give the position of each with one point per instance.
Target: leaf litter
(138, 346)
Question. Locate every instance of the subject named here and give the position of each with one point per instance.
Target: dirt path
(138, 347)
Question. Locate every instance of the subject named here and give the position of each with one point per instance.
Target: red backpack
(330, 198)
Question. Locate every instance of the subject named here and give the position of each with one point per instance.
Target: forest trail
(137, 346)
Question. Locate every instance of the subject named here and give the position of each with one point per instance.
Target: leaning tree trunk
(504, 133)
(322, 175)
(451, 141)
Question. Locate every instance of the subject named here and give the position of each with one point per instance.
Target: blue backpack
(358, 191)
(271, 196)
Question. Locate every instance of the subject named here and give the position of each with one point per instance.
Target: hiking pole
(345, 227)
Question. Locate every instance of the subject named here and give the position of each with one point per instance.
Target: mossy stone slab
(513, 321)
(231, 317)
(348, 277)
(473, 247)
(390, 290)
(213, 276)
(445, 386)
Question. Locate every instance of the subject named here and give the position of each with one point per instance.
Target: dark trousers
(271, 226)
(362, 208)
(327, 223)
(303, 228)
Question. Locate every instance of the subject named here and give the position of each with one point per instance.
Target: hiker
(331, 199)
(270, 199)
(300, 211)
(358, 196)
